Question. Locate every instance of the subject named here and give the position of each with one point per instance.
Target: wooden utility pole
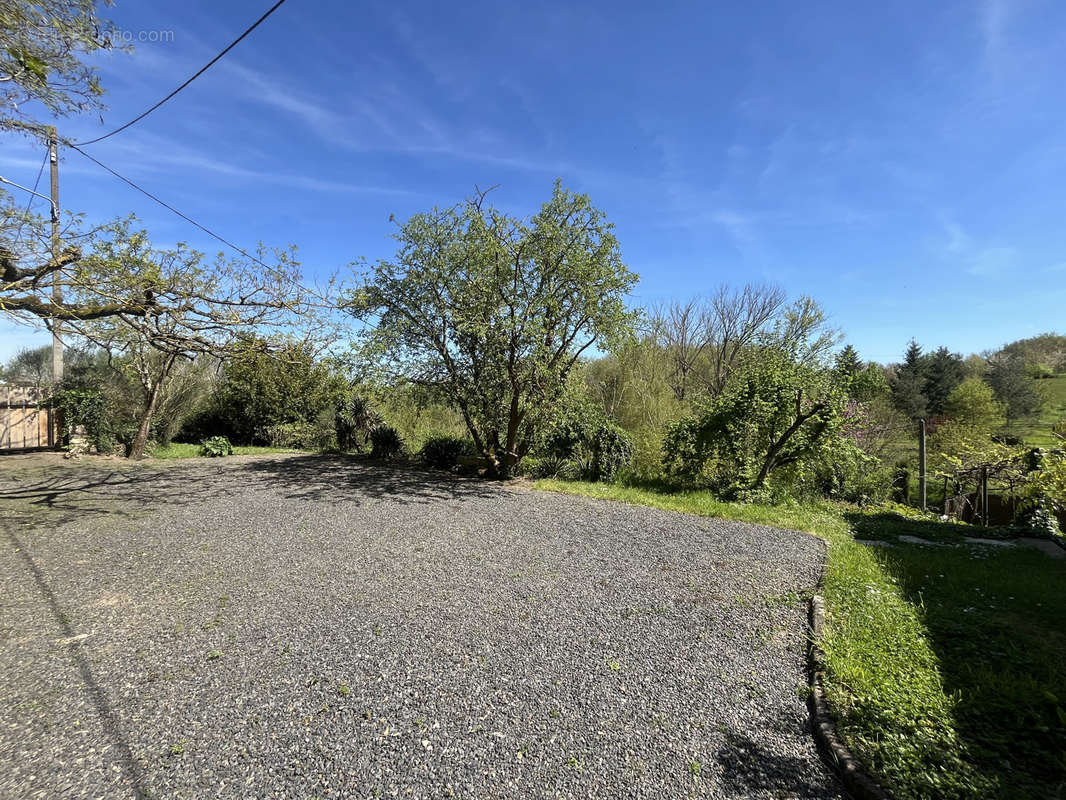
(57, 287)
(921, 464)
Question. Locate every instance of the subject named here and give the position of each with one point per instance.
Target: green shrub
(646, 466)
(552, 466)
(843, 472)
(1059, 429)
(216, 447)
(901, 483)
(265, 385)
(299, 436)
(777, 415)
(1040, 371)
(87, 408)
(386, 442)
(1044, 495)
(355, 418)
(442, 452)
(584, 444)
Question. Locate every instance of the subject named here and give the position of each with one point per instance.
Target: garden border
(851, 772)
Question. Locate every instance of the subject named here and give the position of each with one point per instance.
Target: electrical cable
(173, 210)
(202, 70)
(29, 205)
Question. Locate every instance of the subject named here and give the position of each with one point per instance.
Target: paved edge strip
(851, 772)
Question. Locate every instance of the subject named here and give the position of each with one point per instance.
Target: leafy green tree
(973, 403)
(777, 413)
(974, 366)
(1014, 386)
(944, 371)
(197, 308)
(266, 384)
(965, 441)
(42, 63)
(31, 365)
(492, 312)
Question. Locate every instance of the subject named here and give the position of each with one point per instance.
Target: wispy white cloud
(159, 154)
(993, 20)
(958, 240)
(993, 260)
(387, 119)
(740, 227)
(977, 258)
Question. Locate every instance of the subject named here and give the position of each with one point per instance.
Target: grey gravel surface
(300, 627)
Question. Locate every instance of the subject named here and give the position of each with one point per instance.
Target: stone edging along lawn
(833, 750)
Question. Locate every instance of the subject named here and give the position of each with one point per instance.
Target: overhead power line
(173, 210)
(202, 70)
(33, 196)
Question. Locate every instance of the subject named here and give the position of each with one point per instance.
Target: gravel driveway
(304, 626)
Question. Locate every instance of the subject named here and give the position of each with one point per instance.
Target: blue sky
(902, 162)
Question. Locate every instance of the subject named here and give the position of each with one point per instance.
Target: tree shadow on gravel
(108, 721)
(60, 495)
(63, 493)
(748, 769)
(354, 479)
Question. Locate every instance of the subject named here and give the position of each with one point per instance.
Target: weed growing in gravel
(344, 690)
(214, 655)
(613, 665)
(178, 748)
(694, 768)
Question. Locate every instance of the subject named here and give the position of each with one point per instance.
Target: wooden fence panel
(23, 424)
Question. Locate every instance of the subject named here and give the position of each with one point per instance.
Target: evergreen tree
(863, 382)
(848, 363)
(908, 388)
(944, 371)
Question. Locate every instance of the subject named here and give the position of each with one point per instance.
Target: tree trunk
(140, 441)
(775, 447)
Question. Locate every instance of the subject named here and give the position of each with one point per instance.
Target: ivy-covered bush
(386, 442)
(841, 472)
(777, 417)
(584, 444)
(442, 452)
(216, 447)
(87, 408)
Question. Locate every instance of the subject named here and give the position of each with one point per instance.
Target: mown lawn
(1037, 431)
(946, 666)
(177, 450)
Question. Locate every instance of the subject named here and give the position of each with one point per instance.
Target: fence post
(984, 495)
(921, 464)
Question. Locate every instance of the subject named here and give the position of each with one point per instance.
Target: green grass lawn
(946, 667)
(1037, 431)
(176, 450)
